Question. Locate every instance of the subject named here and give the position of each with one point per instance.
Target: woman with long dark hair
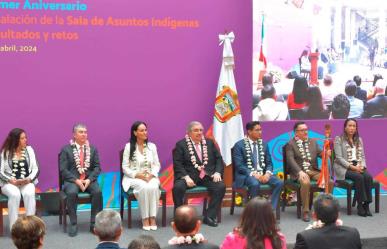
(18, 173)
(350, 164)
(315, 108)
(297, 98)
(141, 166)
(257, 229)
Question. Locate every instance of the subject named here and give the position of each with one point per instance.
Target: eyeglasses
(302, 130)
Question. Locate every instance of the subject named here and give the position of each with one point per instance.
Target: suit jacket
(330, 236)
(68, 168)
(130, 168)
(294, 158)
(341, 163)
(6, 167)
(241, 171)
(183, 166)
(361, 94)
(376, 106)
(193, 246)
(108, 245)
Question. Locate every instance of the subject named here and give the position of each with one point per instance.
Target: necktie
(255, 155)
(81, 159)
(199, 153)
(197, 148)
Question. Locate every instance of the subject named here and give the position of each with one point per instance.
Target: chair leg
(1, 222)
(129, 212)
(164, 210)
(232, 202)
(39, 208)
(283, 200)
(299, 203)
(349, 199)
(311, 193)
(60, 213)
(377, 196)
(122, 206)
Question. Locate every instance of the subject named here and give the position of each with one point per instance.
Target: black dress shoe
(209, 221)
(361, 211)
(73, 230)
(366, 207)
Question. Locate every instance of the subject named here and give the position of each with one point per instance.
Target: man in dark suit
(187, 224)
(360, 93)
(377, 106)
(108, 229)
(330, 234)
(79, 168)
(253, 165)
(196, 161)
(301, 158)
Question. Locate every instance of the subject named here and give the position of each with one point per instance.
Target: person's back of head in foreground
(28, 232)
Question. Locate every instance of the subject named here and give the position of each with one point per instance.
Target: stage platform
(372, 229)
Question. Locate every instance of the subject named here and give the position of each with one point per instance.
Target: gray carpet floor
(373, 230)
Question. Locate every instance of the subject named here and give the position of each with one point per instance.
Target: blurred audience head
(300, 89)
(315, 102)
(28, 232)
(340, 107)
(304, 53)
(144, 242)
(380, 87)
(327, 80)
(350, 88)
(376, 78)
(257, 222)
(326, 208)
(357, 80)
(267, 79)
(108, 225)
(268, 91)
(186, 221)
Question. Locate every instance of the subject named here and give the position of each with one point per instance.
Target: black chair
(131, 197)
(83, 198)
(296, 186)
(265, 189)
(200, 192)
(349, 185)
(4, 204)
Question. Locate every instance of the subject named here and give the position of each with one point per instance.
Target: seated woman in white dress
(18, 174)
(141, 166)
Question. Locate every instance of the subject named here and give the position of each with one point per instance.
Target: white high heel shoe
(146, 228)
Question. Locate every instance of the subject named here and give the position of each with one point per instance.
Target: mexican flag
(228, 127)
(262, 56)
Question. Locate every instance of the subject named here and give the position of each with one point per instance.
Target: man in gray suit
(301, 158)
(79, 168)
